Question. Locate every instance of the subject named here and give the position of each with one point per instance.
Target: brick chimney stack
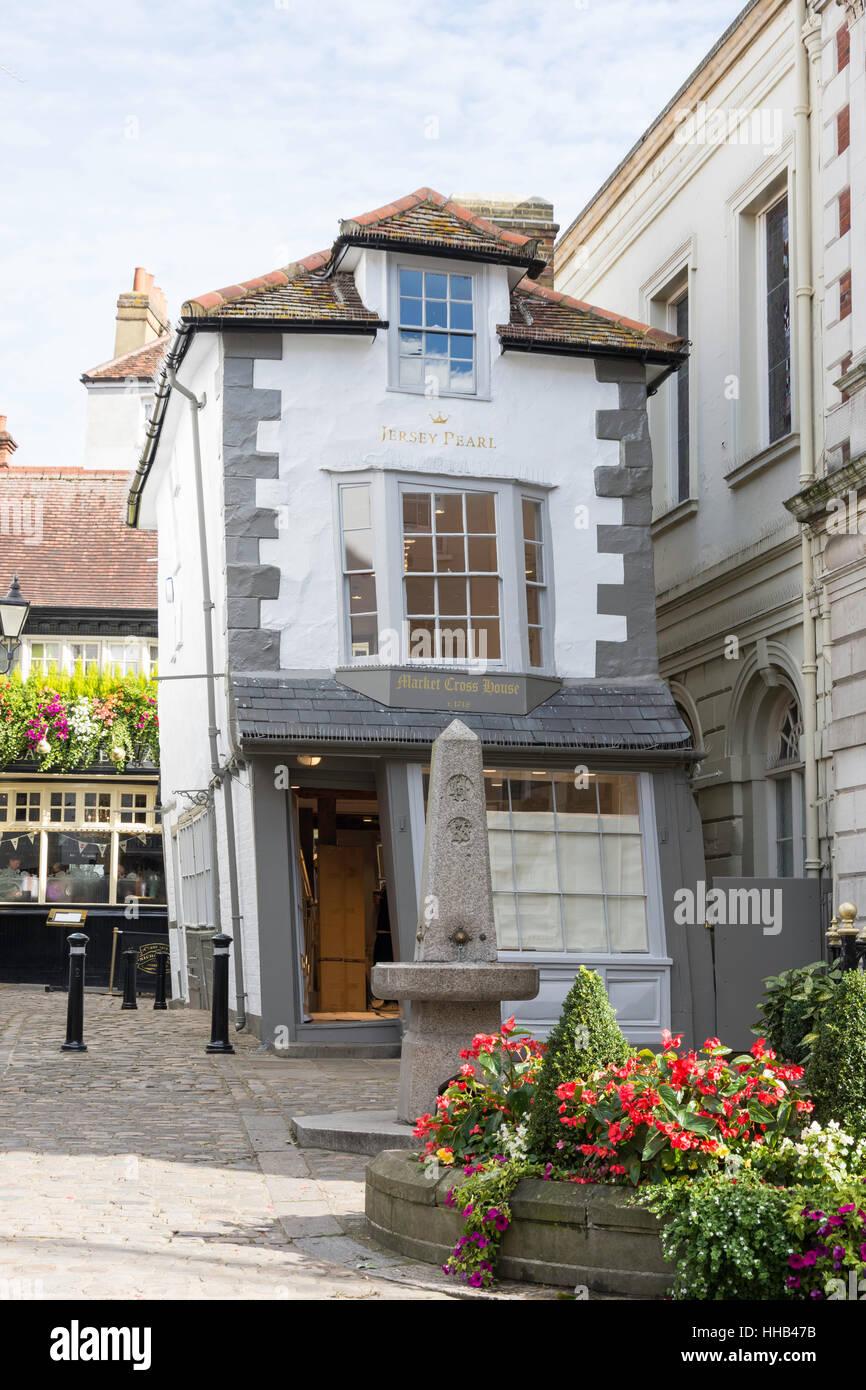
(533, 218)
(7, 444)
(142, 315)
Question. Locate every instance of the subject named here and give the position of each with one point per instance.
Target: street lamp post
(14, 609)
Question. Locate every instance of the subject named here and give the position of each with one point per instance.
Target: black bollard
(159, 991)
(130, 956)
(219, 1026)
(75, 1003)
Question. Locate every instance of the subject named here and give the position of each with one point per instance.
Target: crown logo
(440, 419)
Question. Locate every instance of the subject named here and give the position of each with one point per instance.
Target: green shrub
(836, 1075)
(729, 1238)
(792, 1006)
(585, 1039)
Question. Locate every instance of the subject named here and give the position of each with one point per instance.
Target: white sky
(211, 141)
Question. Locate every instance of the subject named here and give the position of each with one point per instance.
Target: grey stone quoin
(455, 982)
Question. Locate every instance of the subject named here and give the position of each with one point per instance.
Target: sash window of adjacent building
(194, 871)
(566, 861)
(778, 320)
(682, 475)
(436, 345)
(451, 575)
(785, 773)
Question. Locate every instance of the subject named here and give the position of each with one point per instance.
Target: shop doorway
(346, 926)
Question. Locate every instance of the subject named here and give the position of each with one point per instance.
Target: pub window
(133, 807)
(359, 575)
(62, 806)
(87, 653)
(44, 655)
(97, 806)
(122, 657)
(19, 866)
(451, 577)
(28, 806)
(4, 806)
(778, 319)
(436, 332)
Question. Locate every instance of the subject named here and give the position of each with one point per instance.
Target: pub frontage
(80, 819)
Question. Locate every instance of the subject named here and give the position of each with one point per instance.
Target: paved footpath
(144, 1169)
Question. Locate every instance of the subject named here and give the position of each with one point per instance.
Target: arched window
(785, 773)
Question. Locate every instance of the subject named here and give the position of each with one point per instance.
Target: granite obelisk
(455, 983)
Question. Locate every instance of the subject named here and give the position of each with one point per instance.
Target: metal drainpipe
(216, 771)
(804, 297)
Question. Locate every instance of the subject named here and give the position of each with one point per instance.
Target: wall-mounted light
(309, 759)
(14, 609)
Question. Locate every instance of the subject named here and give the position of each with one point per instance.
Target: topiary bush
(836, 1075)
(585, 1039)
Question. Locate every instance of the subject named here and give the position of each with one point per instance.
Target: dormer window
(436, 311)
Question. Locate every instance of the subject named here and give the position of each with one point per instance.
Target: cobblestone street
(145, 1169)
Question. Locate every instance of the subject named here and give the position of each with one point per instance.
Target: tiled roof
(593, 715)
(428, 219)
(141, 363)
(302, 293)
(68, 542)
(299, 293)
(546, 317)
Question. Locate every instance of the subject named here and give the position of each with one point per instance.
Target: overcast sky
(212, 141)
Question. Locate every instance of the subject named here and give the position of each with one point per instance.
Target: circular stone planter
(561, 1233)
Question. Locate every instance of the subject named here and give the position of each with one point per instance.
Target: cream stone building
(734, 223)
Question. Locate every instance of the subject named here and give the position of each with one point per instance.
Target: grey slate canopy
(588, 715)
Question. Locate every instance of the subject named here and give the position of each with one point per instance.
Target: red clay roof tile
(140, 362)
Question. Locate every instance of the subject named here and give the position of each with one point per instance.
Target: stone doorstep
(353, 1131)
(561, 1234)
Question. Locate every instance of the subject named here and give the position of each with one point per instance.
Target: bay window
(439, 571)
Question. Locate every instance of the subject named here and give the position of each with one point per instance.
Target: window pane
(500, 859)
(531, 793)
(496, 796)
(461, 287)
(626, 918)
(452, 596)
(356, 508)
(19, 867)
(411, 282)
(364, 635)
(410, 312)
(78, 867)
(411, 371)
(140, 868)
(464, 349)
(412, 344)
(617, 796)
(487, 641)
(531, 520)
(505, 917)
(584, 924)
(480, 513)
(416, 513)
(450, 554)
(623, 864)
(452, 643)
(362, 593)
(482, 553)
(436, 313)
(419, 596)
(449, 511)
(461, 316)
(435, 285)
(535, 647)
(359, 550)
(436, 344)
(532, 562)
(540, 925)
(778, 321)
(422, 639)
(533, 607)
(418, 554)
(484, 597)
(580, 864)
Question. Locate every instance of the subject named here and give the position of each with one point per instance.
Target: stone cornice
(810, 505)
